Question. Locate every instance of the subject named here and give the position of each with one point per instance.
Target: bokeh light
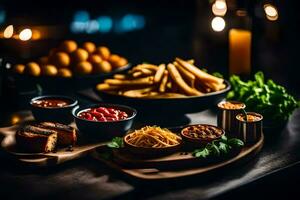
(9, 31)
(25, 34)
(218, 24)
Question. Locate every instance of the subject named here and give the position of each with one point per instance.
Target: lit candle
(239, 51)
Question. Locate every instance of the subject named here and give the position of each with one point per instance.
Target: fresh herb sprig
(218, 147)
(116, 143)
(265, 97)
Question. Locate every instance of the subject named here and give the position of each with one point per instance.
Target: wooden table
(88, 179)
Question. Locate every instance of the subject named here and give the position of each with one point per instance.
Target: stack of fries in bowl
(177, 82)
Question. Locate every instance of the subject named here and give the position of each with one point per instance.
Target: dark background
(171, 28)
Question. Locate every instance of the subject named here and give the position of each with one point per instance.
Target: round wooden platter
(62, 155)
(180, 164)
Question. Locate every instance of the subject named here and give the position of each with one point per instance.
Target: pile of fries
(178, 79)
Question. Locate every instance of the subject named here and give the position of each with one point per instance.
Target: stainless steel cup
(250, 131)
(227, 118)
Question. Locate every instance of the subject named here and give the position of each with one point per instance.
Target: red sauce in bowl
(51, 103)
(103, 114)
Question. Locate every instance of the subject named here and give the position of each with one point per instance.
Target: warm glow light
(218, 11)
(36, 34)
(14, 119)
(9, 31)
(25, 34)
(220, 4)
(218, 24)
(271, 12)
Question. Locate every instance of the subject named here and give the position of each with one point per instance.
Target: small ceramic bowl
(194, 136)
(104, 130)
(149, 151)
(54, 114)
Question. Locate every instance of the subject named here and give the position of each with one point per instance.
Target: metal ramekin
(250, 132)
(227, 118)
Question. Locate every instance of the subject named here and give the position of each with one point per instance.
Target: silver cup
(227, 118)
(250, 131)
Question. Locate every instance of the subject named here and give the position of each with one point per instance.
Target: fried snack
(68, 46)
(60, 59)
(147, 66)
(191, 61)
(163, 84)
(94, 58)
(168, 95)
(68, 55)
(180, 82)
(139, 81)
(64, 72)
(137, 74)
(141, 72)
(89, 47)
(179, 79)
(19, 68)
(79, 55)
(159, 73)
(102, 67)
(103, 52)
(199, 73)
(121, 62)
(186, 74)
(83, 68)
(49, 70)
(32, 69)
(120, 76)
(138, 93)
(108, 87)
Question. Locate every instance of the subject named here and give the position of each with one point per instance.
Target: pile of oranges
(70, 58)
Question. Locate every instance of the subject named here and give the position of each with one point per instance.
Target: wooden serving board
(62, 155)
(177, 165)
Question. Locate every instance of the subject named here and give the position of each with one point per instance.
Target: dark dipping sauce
(204, 132)
(51, 103)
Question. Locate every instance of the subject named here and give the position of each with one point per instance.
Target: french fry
(159, 73)
(180, 82)
(147, 66)
(199, 73)
(120, 76)
(138, 81)
(138, 92)
(107, 87)
(169, 84)
(168, 95)
(137, 74)
(162, 86)
(191, 61)
(186, 74)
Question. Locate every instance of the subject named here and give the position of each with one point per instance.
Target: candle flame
(218, 24)
(25, 34)
(9, 31)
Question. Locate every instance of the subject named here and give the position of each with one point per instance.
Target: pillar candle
(239, 52)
